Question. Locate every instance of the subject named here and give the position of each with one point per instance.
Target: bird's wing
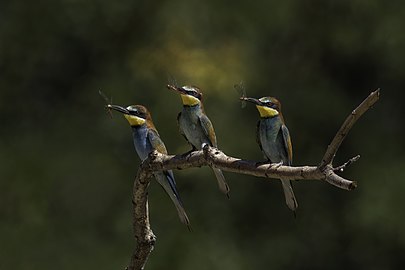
(193, 148)
(159, 146)
(259, 142)
(258, 135)
(166, 178)
(208, 129)
(156, 142)
(178, 123)
(287, 143)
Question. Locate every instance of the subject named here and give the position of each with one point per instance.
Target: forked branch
(209, 156)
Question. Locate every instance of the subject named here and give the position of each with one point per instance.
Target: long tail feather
(223, 186)
(166, 180)
(289, 195)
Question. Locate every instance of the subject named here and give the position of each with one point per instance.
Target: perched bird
(146, 139)
(196, 127)
(274, 139)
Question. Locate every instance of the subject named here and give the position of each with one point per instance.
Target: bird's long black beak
(118, 108)
(251, 100)
(177, 89)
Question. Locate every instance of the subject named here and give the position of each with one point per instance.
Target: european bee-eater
(146, 139)
(196, 127)
(274, 139)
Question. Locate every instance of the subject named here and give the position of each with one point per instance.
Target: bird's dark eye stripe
(134, 112)
(192, 93)
(270, 104)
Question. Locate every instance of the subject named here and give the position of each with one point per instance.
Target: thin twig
(342, 167)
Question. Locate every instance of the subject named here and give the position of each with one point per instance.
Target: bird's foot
(203, 145)
(276, 165)
(189, 152)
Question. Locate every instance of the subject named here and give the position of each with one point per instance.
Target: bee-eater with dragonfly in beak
(196, 127)
(274, 139)
(146, 139)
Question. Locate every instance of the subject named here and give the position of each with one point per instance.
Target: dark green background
(67, 169)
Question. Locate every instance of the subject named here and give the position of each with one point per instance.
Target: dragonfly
(171, 80)
(241, 89)
(107, 101)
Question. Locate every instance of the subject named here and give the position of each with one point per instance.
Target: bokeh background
(67, 168)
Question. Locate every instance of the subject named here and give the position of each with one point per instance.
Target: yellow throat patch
(189, 100)
(266, 111)
(134, 120)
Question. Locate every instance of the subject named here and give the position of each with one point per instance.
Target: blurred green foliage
(67, 169)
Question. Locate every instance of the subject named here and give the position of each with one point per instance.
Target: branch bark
(213, 157)
(145, 239)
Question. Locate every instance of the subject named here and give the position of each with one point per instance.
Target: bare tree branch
(347, 125)
(213, 157)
